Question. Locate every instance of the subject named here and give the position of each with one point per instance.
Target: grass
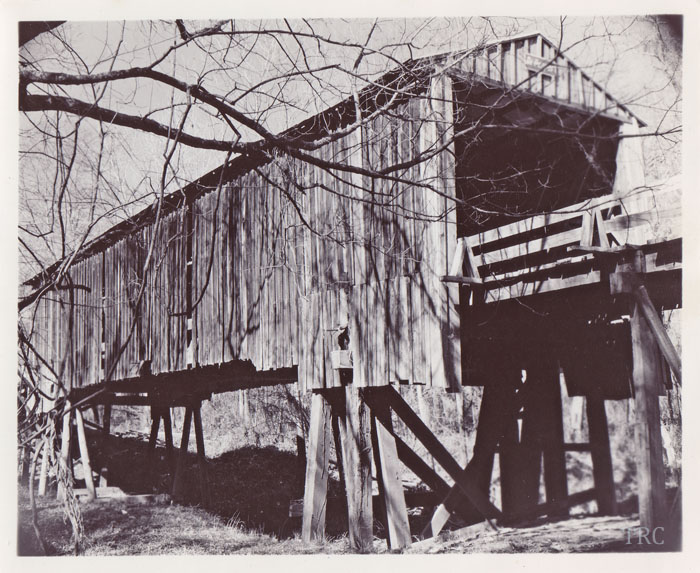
(118, 528)
(248, 510)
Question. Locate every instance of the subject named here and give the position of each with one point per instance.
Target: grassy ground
(250, 489)
(117, 528)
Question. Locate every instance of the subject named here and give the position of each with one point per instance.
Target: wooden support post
(155, 425)
(65, 451)
(657, 329)
(552, 437)
(106, 418)
(645, 374)
(201, 455)
(182, 457)
(379, 501)
(84, 455)
(316, 487)
(301, 461)
(168, 426)
(600, 454)
(509, 465)
(43, 473)
(389, 478)
(526, 480)
(358, 470)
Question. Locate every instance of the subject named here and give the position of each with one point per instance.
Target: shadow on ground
(249, 486)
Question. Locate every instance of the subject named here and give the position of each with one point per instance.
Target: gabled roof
(521, 62)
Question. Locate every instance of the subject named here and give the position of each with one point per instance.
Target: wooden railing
(556, 250)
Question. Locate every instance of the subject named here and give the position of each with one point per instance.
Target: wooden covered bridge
(486, 220)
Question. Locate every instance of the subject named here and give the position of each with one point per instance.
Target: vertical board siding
(288, 259)
(123, 279)
(87, 323)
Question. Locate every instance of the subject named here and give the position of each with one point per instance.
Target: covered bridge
(485, 219)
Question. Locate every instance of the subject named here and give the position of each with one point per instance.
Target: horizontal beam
(461, 280)
(213, 379)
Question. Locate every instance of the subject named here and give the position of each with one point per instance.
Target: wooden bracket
(456, 274)
(460, 476)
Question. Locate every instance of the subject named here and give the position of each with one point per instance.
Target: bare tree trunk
(32, 501)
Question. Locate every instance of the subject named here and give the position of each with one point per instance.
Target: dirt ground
(119, 528)
(582, 534)
(248, 512)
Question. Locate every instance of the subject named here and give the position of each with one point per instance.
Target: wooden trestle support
(520, 420)
(160, 410)
(365, 427)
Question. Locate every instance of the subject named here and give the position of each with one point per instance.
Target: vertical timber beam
(389, 476)
(645, 375)
(335, 426)
(168, 427)
(313, 525)
(526, 479)
(553, 438)
(84, 455)
(600, 454)
(182, 457)
(201, 455)
(509, 443)
(358, 469)
(155, 426)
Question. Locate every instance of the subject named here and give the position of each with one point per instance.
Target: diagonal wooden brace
(462, 480)
(427, 474)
